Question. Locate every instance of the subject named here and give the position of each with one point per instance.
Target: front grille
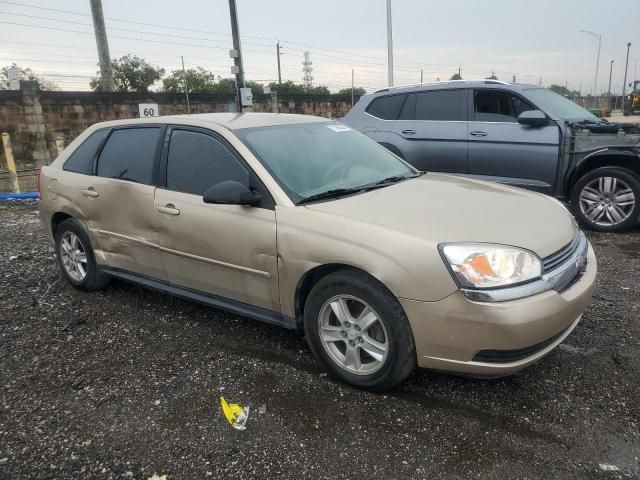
(508, 356)
(556, 259)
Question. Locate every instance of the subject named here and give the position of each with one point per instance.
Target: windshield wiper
(395, 179)
(333, 193)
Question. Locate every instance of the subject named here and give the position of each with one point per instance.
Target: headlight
(486, 265)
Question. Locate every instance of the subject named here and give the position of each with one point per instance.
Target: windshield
(314, 158)
(554, 103)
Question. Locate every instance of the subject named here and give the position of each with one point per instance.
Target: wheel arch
(625, 159)
(312, 276)
(56, 219)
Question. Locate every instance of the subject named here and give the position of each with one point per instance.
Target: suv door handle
(409, 132)
(479, 133)
(90, 192)
(169, 209)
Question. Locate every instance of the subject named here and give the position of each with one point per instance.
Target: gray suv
(521, 135)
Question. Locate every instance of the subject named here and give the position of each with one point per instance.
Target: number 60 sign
(148, 110)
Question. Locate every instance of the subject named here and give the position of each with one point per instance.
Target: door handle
(169, 209)
(90, 192)
(479, 133)
(409, 132)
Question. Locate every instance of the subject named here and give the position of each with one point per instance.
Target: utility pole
(278, 47)
(352, 88)
(624, 84)
(610, 75)
(106, 73)
(599, 37)
(389, 45)
(421, 76)
(237, 57)
(186, 87)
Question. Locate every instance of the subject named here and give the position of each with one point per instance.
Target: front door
(223, 250)
(500, 149)
(431, 132)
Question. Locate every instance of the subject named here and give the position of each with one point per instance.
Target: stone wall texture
(34, 119)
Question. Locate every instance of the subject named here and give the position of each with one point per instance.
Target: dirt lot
(124, 383)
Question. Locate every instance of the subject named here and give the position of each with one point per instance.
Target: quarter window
(443, 105)
(198, 161)
(386, 108)
(129, 154)
(81, 160)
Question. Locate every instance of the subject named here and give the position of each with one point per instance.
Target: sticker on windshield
(339, 127)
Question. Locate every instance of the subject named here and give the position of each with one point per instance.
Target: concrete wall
(34, 119)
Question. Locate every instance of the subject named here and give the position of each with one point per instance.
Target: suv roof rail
(445, 82)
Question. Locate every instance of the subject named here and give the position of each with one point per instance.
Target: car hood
(443, 208)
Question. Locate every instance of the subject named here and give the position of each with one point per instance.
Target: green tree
(131, 74)
(25, 74)
(492, 77)
(564, 91)
(198, 80)
(456, 76)
(293, 88)
(357, 92)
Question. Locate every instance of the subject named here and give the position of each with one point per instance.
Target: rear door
(500, 149)
(223, 250)
(431, 132)
(118, 200)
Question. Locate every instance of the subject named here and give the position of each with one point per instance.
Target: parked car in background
(521, 135)
(308, 224)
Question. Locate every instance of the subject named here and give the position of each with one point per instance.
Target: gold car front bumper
(482, 338)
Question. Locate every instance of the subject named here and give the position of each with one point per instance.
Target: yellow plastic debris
(235, 414)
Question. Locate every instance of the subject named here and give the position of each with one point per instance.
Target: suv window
(81, 160)
(492, 106)
(386, 108)
(129, 154)
(444, 105)
(198, 161)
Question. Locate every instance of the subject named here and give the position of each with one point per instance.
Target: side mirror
(231, 192)
(533, 118)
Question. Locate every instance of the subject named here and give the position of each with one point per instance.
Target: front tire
(606, 199)
(359, 331)
(75, 257)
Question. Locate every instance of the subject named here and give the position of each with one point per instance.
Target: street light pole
(389, 45)
(595, 81)
(626, 67)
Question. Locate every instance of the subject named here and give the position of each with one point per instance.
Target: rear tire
(75, 257)
(607, 199)
(371, 346)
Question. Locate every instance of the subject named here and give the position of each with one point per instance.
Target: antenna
(307, 78)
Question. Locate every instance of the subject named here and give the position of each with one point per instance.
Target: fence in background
(36, 120)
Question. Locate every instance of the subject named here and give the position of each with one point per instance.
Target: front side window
(314, 158)
(494, 106)
(81, 160)
(198, 161)
(129, 154)
(442, 105)
(386, 108)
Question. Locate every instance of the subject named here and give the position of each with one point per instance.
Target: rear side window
(198, 161)
(443, 105)
(129, 154)
(386, 108)
(81, 160)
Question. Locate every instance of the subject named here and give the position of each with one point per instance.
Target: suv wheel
(75, 257)
(359, 331)
(606, 199)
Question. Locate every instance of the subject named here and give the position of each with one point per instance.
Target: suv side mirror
(533, 118)
(231, 192)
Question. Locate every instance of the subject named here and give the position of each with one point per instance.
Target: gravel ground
(124, 383)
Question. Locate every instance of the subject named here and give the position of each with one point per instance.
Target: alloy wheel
(353, 334)
(607, 201)
(74, 256)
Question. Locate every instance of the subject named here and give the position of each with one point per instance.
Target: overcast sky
(530, 39)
